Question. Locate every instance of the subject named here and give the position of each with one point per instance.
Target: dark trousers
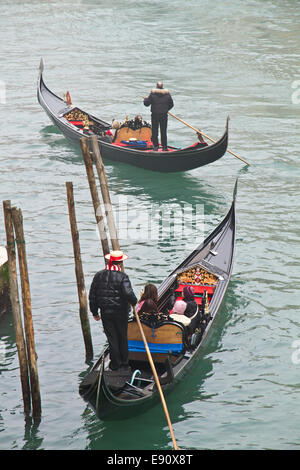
(159, 120)
(115, 327)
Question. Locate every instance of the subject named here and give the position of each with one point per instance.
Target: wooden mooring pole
(28, 322)
(94, 194)
(82, 296)
(105, 193)
(15, 304)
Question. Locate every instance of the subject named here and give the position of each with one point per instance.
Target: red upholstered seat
(77, 123)
(197, 289)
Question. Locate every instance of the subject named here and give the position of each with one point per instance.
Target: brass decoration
(206, 308)
(86, 122)
(76, 115)
(197, 276)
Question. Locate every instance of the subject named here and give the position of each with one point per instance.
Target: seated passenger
(114, 127)
(191, 304)
(138, 122)
(149, 313)
(150, 292)
(178, 313)
(192, 309)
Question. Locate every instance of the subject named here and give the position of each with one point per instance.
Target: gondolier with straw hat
(112, 293)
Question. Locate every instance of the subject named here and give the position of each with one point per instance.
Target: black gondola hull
(166, 162)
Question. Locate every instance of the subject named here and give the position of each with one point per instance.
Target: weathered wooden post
(83, 305)
(105, 193)
(94, 194)
(28, 322)
(15, 304)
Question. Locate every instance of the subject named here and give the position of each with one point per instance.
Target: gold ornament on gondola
(86, 122)
(197, 276)
(206, 308)
(76, 115)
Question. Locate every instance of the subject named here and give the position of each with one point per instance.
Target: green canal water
(217, 58)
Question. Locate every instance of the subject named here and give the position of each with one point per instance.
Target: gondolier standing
(161, 102)
(111, 292)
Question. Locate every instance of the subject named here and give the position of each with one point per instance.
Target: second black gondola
(75, 123)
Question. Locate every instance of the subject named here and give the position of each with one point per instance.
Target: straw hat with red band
(116, 256)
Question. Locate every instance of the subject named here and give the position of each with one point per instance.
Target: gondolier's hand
(97, 317)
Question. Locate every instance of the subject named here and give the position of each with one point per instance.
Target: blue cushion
(174, 348)
(136, 143)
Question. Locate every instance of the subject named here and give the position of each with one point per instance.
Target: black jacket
(160, 100)
(111, 291)
(191, 308)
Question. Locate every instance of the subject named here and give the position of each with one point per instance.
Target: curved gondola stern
(227, 124)
(233, 209)
(40, 75)
(41, 67)
(235, 190)
(40, 83)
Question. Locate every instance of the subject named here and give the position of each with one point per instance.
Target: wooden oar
(156, 379)
(202, 133)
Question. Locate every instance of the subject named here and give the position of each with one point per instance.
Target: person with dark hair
(111, 292)
(192, 310)
(161, 102)
(149, 313)
(150, 292)
(147, 308)
(189, 298)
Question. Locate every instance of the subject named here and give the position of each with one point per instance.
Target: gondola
(119, 395)
(131, 146)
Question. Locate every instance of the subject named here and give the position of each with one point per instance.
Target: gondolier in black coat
(111, 292)
(161, 102)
